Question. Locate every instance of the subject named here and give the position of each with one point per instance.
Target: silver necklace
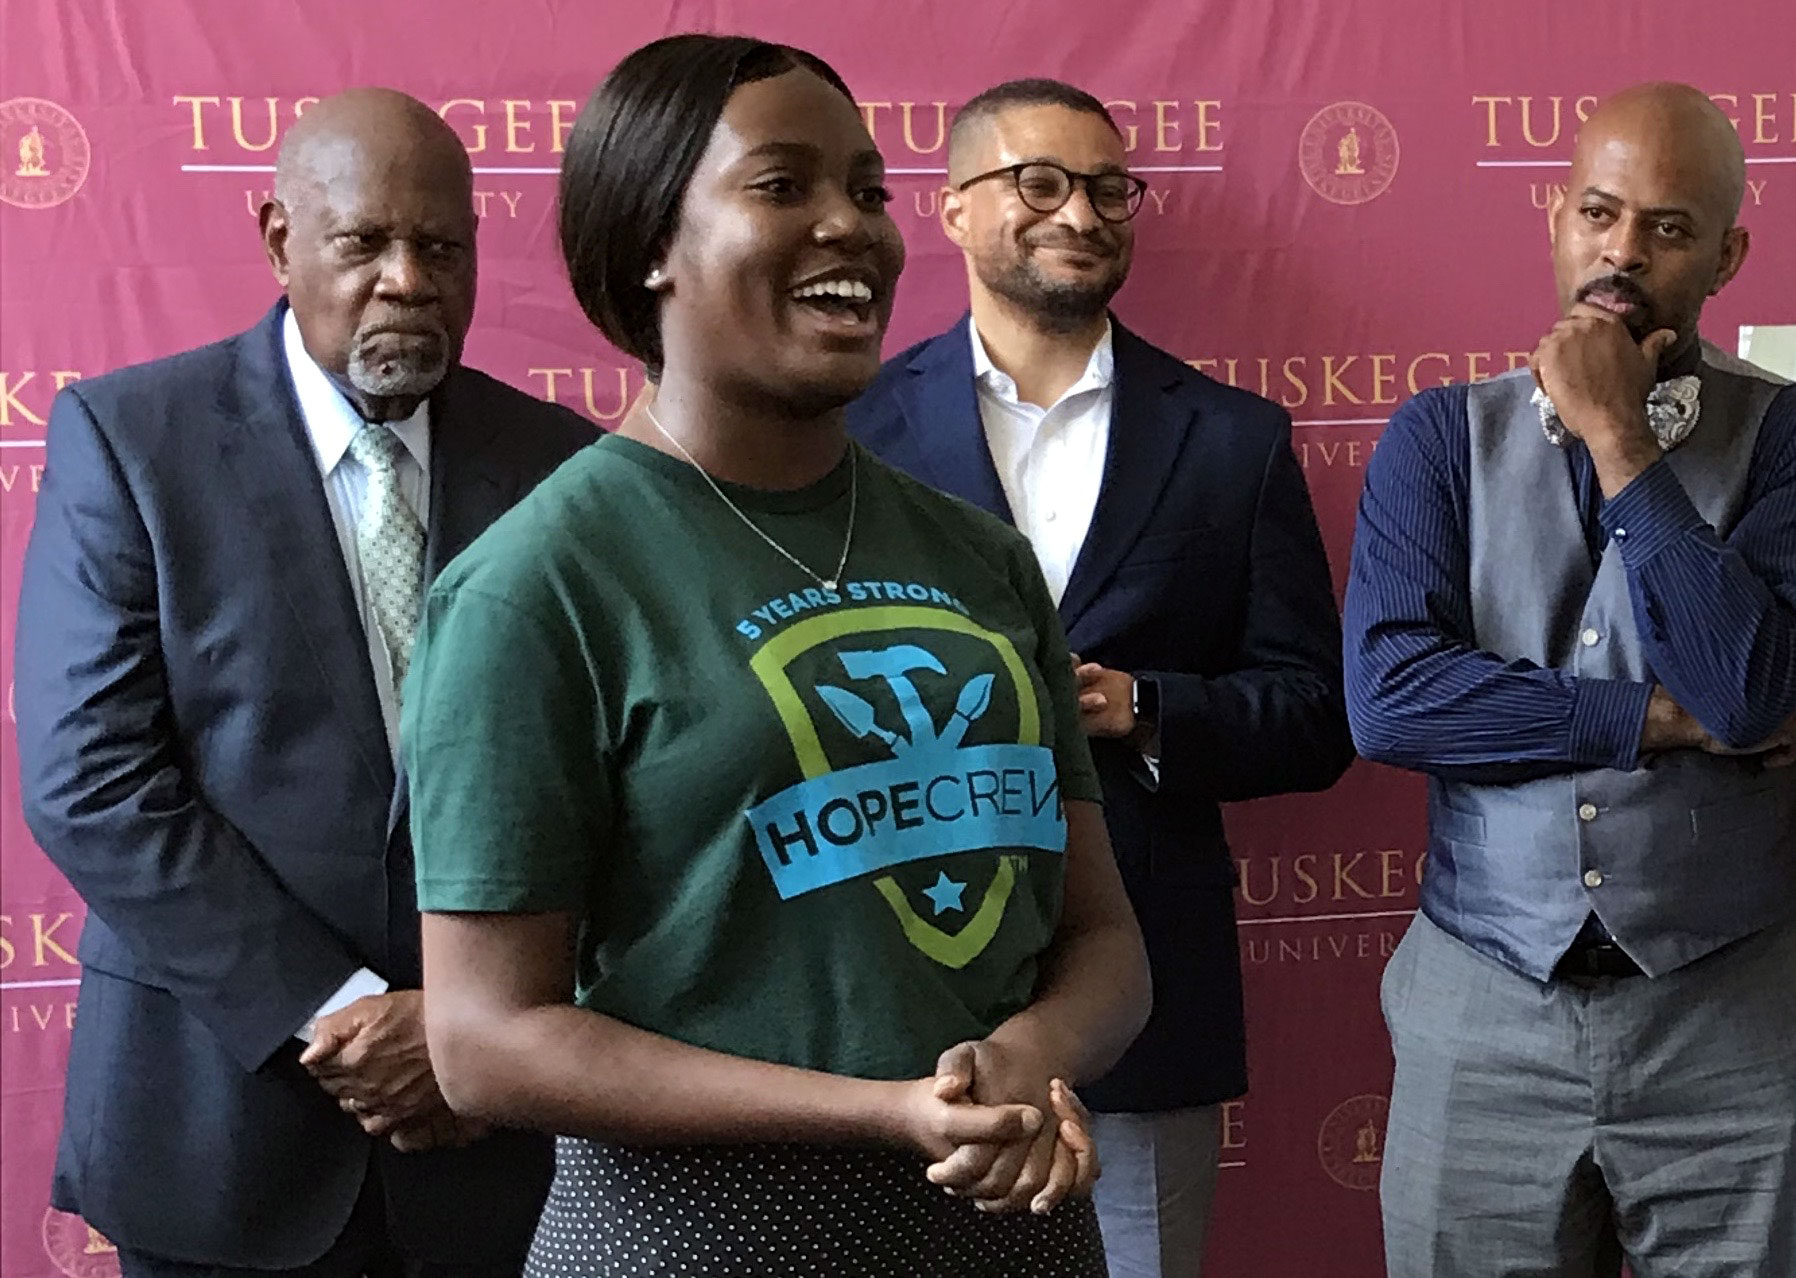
(854, 483)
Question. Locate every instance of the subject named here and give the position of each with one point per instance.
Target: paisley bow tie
(1671, 411)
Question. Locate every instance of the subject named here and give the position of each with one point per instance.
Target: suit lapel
(269, 455)
(1149, 420)
(470, 487)
(941, 410)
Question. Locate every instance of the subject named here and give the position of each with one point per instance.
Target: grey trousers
(1153, 1199)
(1556, 1129)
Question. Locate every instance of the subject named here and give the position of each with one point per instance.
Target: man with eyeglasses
(1176, 534)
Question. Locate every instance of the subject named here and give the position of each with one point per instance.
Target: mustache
(418, 327)
(1624, 288)
(1098, 242)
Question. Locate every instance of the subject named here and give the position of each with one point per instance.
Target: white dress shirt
(1051, 464)
(1049, 460)
(331, 422)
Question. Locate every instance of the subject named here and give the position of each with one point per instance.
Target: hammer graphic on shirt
(895, 665)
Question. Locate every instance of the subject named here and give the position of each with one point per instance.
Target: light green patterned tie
(390, 543)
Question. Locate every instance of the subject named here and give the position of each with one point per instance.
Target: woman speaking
(755, 830)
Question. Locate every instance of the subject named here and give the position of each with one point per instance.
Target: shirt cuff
(1649, 514)
(360, 984)
(1607, 719)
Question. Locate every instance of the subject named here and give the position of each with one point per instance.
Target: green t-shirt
(808, 826)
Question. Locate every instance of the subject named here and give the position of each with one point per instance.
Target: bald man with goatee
(1573, 608)
(218, 606)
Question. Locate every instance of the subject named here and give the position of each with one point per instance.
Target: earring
(656, 278)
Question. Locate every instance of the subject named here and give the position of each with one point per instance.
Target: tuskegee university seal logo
(77, 1248)
(1348, 153)
(44, 155)
(1351, 1142)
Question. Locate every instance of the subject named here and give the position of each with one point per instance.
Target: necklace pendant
(854, 492)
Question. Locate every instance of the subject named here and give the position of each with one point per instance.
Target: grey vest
(1677, 858)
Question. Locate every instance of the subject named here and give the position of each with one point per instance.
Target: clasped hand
(1037, 1161)
(372, 1059)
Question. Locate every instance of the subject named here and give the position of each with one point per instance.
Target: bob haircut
(630, 157)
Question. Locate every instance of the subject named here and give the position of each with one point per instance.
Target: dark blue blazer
(202, 754)
(1204, 573)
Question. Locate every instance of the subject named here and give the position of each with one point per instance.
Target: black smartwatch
(1144, 699)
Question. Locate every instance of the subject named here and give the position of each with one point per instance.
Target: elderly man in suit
(1174, 528)
(218, 604)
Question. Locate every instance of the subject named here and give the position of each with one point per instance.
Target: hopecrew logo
(952, 716)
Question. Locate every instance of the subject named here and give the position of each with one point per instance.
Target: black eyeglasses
(1046, 187)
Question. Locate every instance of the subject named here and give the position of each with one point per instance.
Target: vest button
(1591, 638)
(1587, 812)
(1593, 878)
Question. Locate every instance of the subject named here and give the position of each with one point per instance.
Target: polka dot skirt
(787, 1211)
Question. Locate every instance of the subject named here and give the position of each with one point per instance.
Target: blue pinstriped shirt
(1717, 615)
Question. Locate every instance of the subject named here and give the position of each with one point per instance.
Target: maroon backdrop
(1346, 206)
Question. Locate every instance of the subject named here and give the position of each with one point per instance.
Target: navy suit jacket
(1203, 572)
(202, 754)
